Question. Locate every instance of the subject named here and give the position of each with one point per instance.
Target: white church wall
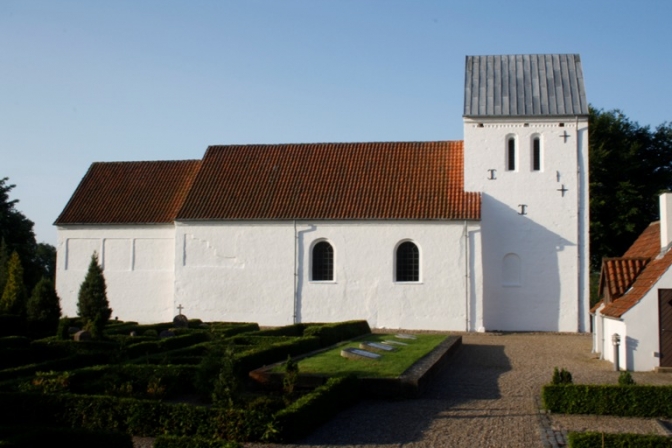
(219, 278)
(527, 216)
(137, 262)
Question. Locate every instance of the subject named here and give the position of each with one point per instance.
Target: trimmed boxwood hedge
(14, 342)
(316, 408)
(295, 330)
(624, 401)
(36, 436)
(68, 363)
(599, 440)
(132, 416)
(262, 356)
(331, 334)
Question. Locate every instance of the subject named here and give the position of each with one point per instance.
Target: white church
(488, 233)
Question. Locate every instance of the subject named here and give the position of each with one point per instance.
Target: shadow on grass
(472, 374)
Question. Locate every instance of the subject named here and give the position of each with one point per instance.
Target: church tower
(526, 150)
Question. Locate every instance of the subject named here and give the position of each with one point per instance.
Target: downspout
(296, 277)
(580, 250)
(466, 276)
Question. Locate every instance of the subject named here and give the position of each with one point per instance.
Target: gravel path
(486, 397)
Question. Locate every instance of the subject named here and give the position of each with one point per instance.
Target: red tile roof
(618, 274)
(130, 192)
(647, 245)
(408, 180)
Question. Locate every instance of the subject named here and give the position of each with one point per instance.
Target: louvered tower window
(511, 154)
(536, 154)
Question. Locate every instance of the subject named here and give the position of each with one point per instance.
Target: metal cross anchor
(565, 135)
(523, 209)
(492, 174)
(180, 308)
(562, 190)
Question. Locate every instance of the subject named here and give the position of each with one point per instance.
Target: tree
(630, 165)
(43, 309)
(17, 233)
(4, 261)
(92, 304)
(13, 300)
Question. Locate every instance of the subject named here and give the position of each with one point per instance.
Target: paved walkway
(488, 396)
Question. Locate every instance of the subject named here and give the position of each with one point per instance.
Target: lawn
(391, 365)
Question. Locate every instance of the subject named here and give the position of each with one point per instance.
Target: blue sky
(85, 81)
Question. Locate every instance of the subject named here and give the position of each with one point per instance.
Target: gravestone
(166, 334)
(181, 321)
(405, 336)
(133, 333)
(376, 346)
(355, 353)
(395, 343)
(82, 335)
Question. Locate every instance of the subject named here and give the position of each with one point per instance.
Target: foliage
(263, 355)
(599, 440)
(18, 436)
(17, 233)
(314, 409)
(561, 377)
(14, 295)
(226, 385)
(291, 376)
(624, 401)
(133, 416)
(629, 166)
(217, 358)
(92, 304)
(625, 379)
(331, 334)
(43, 309)
(4, 261)
(48, 382)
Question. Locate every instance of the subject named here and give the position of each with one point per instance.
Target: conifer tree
(4, 261)
(43, 309)
(13, 299)
(92, 304)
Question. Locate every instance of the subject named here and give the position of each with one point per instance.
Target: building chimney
(665, 219)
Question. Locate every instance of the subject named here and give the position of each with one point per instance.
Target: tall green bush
(14, 295)
(43, 309)
(92, 304)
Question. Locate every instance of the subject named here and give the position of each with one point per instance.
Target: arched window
(511, 270)
(536, 154)
(323, 262)
(408, 263)
(511, 154)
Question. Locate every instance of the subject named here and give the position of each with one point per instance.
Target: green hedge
(32, 436)
(166, 344)
(12, 325)
(132, 416)
(68, 363)
(331, 334)
(316, 408)
(263, 356)
(295, 330)
(599, 440)
(14, 342)
(192, 442)
(227, 329)
(624, 401)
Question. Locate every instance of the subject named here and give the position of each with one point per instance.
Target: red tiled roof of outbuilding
(130, 193)
(618, 274)
(648, 246)
(388, 180)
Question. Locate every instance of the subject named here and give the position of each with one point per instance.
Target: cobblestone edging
(550, 438)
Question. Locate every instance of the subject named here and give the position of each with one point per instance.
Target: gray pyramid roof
(524, 85)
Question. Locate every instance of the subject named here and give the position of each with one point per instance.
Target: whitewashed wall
(548, 290)
(138, 265)
(241, 271)
(611, 326)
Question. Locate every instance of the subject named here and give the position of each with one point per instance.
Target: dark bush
(295, 330)
(331, 334)
(624, 401)
(14, 342)
(625, 379)
(315, 408)
(263, 356)
(12, 325)
(32, 436)
(192, 442)
(599, 440)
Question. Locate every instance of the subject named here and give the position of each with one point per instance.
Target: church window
(407, 263)
(536, 154)
(511, 270)
(323, 262)
(511, 154)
